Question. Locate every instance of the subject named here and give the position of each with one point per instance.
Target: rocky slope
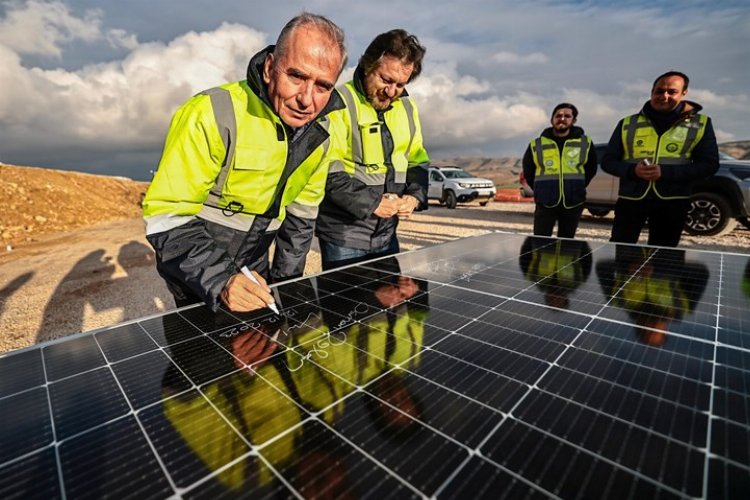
(38, 201)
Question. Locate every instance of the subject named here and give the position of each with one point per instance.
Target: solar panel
(495, 366)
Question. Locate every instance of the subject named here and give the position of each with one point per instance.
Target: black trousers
(566, 219)
(666, 218)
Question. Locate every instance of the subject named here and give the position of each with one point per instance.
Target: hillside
(37, 201)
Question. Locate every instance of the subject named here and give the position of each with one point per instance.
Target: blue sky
(91, 85)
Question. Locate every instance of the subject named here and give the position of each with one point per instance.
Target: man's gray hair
(321, 23)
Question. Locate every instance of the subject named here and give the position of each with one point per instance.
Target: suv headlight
(464, 184)
(742, 173)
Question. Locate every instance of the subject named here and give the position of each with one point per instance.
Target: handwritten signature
(320, 347)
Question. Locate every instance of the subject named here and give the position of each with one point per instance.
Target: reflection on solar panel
(495, 366)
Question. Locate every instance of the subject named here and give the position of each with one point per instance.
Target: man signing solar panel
(244, 164)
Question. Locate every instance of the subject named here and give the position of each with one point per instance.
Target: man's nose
(389, 90)
(305, 95)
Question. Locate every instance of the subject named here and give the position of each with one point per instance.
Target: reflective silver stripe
(160, 223)
(226, 123)
(303, 211)
(539, 147)
(572, 177)
(693, 126)
(409, 108)
(631, 127)
(400, 177)
(585, 144)
(547, 177)
(239, 222)
(351, 105)
(673, 161)
(370, 179)
(336, 166)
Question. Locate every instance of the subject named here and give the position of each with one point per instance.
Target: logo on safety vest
(549, 163)
(672, 147)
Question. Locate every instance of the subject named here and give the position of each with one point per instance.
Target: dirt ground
(101, 275)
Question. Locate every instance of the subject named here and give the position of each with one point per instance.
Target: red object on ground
(511, 195)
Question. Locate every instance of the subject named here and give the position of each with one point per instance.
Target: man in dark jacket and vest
(383, 175)
(658, 153)
(558, 166)
(244, 164)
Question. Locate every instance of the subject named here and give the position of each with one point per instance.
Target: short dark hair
(322, 23)
(395, 43)
(565, 105)
(672, 73)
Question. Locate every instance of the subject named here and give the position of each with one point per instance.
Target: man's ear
(268, 68)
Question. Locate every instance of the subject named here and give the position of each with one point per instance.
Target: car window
(436, 176)
(457, 174)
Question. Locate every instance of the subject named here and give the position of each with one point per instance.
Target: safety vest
(563, 268)
(368, 160)
(560, 177)
(674, 147)
(226, 159)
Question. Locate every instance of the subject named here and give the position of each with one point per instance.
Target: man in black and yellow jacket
(558, 166)
(658, 153)
(244, 164)
(382, 176)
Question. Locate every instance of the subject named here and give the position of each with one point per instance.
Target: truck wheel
(709, 215)
(483, 203)
(598, 212)
(450, 199)
(745, 221)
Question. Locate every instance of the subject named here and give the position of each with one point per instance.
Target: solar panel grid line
(613, 463)
(132, 411)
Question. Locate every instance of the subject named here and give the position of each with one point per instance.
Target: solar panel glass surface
(489, 367)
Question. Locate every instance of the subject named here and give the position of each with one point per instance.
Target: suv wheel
(598, 212)
(709, 215)
(450, 199)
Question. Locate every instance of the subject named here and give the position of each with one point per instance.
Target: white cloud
(446, 98)
(123, 104)
(38, 27)
(505, 57)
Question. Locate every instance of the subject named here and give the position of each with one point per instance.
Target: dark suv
(717, 203)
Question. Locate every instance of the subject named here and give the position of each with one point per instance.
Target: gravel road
(104, 274)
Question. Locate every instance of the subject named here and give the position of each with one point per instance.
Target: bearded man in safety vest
(558, 166)
(658, 153)
(245, 163)
(383, 175)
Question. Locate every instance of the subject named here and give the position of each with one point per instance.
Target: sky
(92, 85)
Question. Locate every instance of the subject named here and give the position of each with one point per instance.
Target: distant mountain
(502, 171)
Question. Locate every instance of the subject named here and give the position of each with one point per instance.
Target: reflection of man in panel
(654, 286)
(556, 266)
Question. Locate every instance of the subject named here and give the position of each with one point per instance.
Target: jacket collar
(575, 133)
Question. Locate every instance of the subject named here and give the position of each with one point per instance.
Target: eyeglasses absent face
(667, 93)
(300, 80)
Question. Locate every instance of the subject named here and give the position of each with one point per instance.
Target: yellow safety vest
(230, 181)
(558, 175)
(675, 146)
(366, 160)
